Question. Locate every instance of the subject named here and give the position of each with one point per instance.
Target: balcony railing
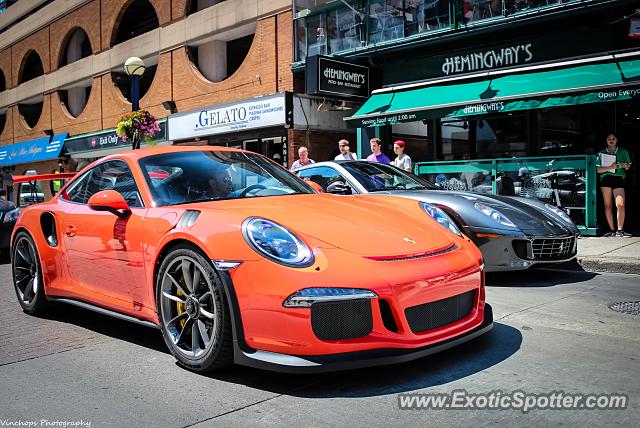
(332, 26)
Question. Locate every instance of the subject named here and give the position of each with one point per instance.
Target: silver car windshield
(376, 177)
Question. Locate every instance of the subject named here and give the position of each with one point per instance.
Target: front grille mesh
(347, 319)
(441, 312)
(553, 248)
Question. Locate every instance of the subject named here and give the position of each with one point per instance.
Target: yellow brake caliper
(181, 308)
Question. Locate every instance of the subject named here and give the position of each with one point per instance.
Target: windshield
(185, 177)
(376, 177)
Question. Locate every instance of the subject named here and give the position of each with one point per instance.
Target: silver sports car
(512, 233)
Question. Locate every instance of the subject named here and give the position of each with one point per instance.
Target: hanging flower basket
(137, 126)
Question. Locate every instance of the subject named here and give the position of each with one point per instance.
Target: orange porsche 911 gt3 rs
(235, 259)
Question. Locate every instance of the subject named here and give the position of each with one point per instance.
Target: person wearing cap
(403, 161)
(376, 149)
(345, 153)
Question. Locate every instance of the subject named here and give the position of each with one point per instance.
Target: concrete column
(74, 48)
(212, 60)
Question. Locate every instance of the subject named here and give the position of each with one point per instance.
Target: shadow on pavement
(439, 369)
(535, 278)
(108, 326)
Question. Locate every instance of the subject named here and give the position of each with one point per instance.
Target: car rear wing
(43, 177)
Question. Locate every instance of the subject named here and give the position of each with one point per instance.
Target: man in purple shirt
(377, 155)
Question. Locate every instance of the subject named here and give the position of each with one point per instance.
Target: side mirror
(110, 200)
(316, 186)
(339, 188)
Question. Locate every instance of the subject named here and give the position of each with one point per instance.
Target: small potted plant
(137, 126)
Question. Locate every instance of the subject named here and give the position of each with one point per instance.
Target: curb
(606, 264)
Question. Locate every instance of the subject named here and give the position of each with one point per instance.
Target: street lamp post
(134, 67)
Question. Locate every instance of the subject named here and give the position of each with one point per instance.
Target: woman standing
(612, 165)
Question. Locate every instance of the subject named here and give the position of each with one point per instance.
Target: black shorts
(613, 181)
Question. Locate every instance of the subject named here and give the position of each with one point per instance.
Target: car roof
(329, 162)
(159, 150)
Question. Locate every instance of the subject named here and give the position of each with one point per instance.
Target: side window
(323, 175)
(77, 191)
(113, 175)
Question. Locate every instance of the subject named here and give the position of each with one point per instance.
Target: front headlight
(559, 212)
(276, 243)
(10, 216)
(495, 215)
(441, 217)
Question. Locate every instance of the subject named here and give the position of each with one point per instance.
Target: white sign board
(249, 114)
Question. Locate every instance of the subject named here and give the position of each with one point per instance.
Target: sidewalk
(601, 254)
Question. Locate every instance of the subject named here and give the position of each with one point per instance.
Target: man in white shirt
(345, 154)
(402, 161)
(303, 153)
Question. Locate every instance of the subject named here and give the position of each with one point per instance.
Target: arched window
(31, 68)
(30, 110)
(77, 46)
(140, 17)
(123, 82)
(75, 98)
(219, 58)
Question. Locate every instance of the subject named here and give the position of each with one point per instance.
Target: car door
(104, 252)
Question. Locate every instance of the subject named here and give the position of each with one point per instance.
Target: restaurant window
(501, 136)
(456, 139)
(311, 36)
(479, 10)
(422, 16)
(529, 5)
(573, 130)
(344, 29)
(385, 20)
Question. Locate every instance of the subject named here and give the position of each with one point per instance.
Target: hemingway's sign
(328, 76)
(257, 113)
(487, 60)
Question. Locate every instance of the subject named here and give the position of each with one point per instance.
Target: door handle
(70, 231)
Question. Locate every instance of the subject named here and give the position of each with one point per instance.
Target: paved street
(553, 332)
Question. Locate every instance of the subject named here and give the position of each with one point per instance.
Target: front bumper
(347, 361)
(519, 252)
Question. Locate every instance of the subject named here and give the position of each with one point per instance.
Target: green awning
(583, 84)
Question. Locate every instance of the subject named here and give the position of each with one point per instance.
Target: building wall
(265, 70)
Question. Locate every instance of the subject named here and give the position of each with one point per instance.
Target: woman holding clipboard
(612, 165)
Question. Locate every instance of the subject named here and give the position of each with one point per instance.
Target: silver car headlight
(493, 214)
(559, 212)
(441, 217)
(276, 243)
(10, 216)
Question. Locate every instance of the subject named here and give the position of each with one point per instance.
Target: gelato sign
(246, 115)
(487, 60)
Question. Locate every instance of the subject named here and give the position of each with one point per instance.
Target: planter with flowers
(137, 126)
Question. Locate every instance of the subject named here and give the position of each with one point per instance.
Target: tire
(27, 275)
(195, 321)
